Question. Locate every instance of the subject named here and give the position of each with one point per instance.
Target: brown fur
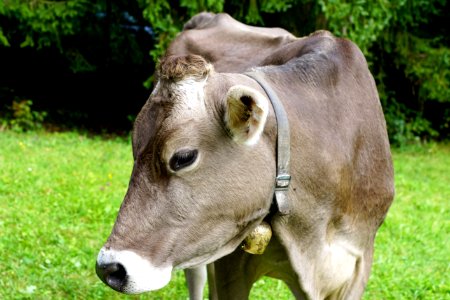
(176, 68)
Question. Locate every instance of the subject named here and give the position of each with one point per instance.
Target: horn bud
(256, 242)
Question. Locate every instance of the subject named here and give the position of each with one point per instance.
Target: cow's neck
(280, 203)
(282, 180)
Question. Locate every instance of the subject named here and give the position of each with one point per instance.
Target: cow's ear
(246, 114)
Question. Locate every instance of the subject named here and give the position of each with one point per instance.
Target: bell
(256, 242)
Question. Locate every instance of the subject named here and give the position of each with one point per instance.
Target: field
(60, 192)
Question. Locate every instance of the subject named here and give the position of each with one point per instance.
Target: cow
(206, 148)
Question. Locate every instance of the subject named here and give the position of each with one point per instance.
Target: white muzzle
(127, 272)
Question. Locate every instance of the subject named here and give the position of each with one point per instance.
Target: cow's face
(202, 177)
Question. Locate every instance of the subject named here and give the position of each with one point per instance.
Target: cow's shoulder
(321, 48)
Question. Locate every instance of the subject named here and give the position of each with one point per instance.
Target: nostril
(113, 274)
(116, 275)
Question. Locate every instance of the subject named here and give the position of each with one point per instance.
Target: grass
(60, 192)
(412, 252)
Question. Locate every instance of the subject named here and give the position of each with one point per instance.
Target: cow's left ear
(246, 114)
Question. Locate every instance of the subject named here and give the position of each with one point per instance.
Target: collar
(282, 178)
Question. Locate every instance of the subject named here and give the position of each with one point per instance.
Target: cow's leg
(232, 279)
(196, 279)
(236, 272)
(354, 288)
(212, 282)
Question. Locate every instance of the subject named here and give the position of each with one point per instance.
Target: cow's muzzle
(127, 272)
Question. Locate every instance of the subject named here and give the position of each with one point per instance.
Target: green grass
(412, 252)
(60, 192)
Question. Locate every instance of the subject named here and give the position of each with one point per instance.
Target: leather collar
(283, 178)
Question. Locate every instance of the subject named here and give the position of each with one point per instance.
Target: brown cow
(204, 148)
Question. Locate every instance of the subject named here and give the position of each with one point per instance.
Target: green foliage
(23, 118)
(429, 66)
(167, 18)
(405, 126)
(360, 21)
(269, 6)
(3, 39)
(42, 23)
(60, 193)
(78, 29)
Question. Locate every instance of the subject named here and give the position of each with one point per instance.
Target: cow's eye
(182, 159)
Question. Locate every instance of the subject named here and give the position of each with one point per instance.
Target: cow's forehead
(187, 96)
(177, 109)
(182, 99)
(169, 120)
(179, 106)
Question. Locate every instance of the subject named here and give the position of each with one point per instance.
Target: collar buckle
(282, 182)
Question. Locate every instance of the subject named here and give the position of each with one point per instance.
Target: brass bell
(256, 242)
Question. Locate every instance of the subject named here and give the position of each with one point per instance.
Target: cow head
(202, 177)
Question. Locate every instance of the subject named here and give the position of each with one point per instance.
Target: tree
(82, 61)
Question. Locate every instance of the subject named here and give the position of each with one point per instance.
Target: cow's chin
(136, 274)
(220, 252)
(207, 258)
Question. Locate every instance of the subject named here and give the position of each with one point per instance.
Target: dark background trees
(89, 63)
(84, 62)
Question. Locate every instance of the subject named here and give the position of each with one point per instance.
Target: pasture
(60, 192)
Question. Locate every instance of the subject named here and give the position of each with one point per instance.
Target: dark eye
(182, 159)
